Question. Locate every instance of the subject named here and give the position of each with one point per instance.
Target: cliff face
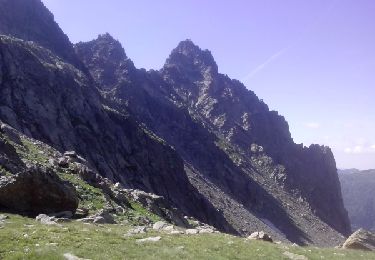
(236, 115)
(233, 163)
(51, 100)
(30, 20)
(237, 153)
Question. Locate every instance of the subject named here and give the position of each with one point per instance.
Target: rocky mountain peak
(187, 55)
(106, 59)
(30, 20)
(112, 47)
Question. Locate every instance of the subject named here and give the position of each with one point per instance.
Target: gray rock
(3, 217)
(206, 231)
(160, 225)
(69, 256)
(137, 230)
(168, 228)
(37, 190)
(362, 240)
(63, 214)
(86, 220)
(149, 239)
(293, 256)
(191, 231)
(46, 220)
(63, 161)
(71, 154)
(99, 220)
(104, 217)
(260, 236)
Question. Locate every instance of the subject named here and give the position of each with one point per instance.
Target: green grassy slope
(24, 238)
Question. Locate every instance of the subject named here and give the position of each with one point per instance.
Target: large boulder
(361, 239)
(37, 190)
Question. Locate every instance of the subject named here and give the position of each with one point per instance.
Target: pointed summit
(106, 60)
(30, 20)
(189, 55)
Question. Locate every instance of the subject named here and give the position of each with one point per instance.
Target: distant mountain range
(358, 190)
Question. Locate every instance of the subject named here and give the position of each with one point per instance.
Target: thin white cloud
(265, 64)
(312, 125)
(316, 23)
(360, 149)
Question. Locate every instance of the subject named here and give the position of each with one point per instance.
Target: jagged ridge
(230, 152)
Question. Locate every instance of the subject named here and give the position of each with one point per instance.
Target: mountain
(358, 191)
(347, 171)
(186, 132)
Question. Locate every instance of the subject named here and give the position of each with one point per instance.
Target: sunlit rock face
(234, 148)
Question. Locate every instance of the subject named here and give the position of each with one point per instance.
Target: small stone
(260, 236)
(137, 230)
(191, 231)
(69, 256)
(206, 231)
(176, 232)
(169, 228)
(99, 220)
(148, 239)
(159, 225)
(71, 154)
(63, 161)
(293, 256)
(86, 220)
(3, 217)
(46, 220)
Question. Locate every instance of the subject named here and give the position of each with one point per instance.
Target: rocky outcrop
(36, 190)
(30, 20)
(237, 115)
(358, 191)
(260, 236)
(362, 240)
(54, 102)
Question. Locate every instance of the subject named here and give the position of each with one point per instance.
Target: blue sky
(313, 61)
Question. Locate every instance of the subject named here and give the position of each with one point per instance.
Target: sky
(311, 60)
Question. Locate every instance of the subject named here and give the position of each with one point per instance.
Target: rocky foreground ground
(26, 238)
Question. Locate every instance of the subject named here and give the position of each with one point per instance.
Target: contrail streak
(323, 16)
(264, 64)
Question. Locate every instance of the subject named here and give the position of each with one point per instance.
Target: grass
(89, 197)
(24, 238)
(4, 172)
(31, 152)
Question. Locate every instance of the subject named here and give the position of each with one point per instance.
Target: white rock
(3, 217)
(148, 239)
(169, 228)
(294, 256)
(46, 220)
(191, 231)
(176, 232)
(206, 231)
(69, 256)
(137, 230)
(159, 225)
